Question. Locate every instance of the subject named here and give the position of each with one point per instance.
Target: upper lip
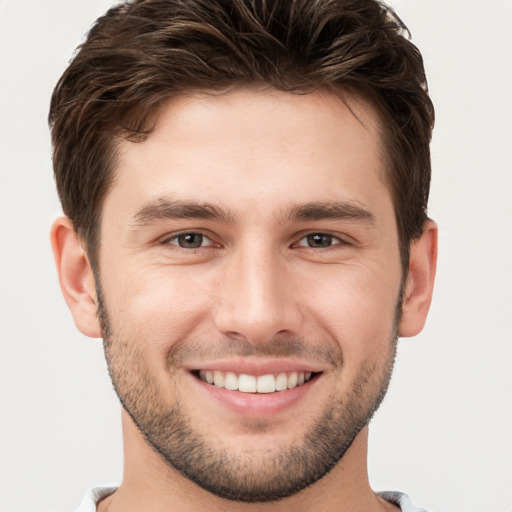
(257, 367)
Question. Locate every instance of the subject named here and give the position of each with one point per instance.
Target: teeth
(231, 381)
(266, 384)
(251, 384)
(218, 378)
(293, 378)
(281, 382)
(247, 383)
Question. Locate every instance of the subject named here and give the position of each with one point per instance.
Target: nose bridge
(256, 299)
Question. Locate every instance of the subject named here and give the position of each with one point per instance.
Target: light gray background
(444, 434)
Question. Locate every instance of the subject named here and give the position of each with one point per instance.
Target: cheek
(356, 306)
(156, 307)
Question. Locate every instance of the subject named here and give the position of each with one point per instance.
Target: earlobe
(75, 277)
(420, 282)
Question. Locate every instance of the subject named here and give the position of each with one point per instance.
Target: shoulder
(400, 499)
(92, 498)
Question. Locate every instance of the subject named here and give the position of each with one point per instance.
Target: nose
(258, 298)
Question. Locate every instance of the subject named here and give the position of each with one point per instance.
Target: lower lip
(257, 404)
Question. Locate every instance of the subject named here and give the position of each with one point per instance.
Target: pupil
(191, 240)
(319, 240)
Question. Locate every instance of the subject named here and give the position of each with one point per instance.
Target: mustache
(280, 346)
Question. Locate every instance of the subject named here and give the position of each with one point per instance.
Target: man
(245, 186)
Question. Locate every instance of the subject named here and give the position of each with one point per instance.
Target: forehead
(249, 145)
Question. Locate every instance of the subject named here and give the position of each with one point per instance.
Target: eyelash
(334, 240)
(169, 240)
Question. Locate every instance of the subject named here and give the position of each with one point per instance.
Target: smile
(244, 383)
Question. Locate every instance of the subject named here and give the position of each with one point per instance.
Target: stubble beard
(242, 476)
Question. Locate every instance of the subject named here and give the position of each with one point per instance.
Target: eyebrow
(314, 211)
(332, 210)
(178, 209)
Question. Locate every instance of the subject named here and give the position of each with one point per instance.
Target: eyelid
(340, 240)
(170, 237)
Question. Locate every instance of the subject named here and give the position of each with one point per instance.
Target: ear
(420, 282)
(75, 277)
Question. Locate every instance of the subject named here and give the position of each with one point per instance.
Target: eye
(319, 240)
(189, 240)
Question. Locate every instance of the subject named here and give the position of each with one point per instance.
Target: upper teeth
(252, 384)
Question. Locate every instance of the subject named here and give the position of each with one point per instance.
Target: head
(142, 53)
(247, 184)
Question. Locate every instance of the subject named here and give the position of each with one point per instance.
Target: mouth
(257, 388)
(258, 384)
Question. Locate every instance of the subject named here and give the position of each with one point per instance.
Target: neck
(150, 484)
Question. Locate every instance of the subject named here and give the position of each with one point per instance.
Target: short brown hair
(143, 52)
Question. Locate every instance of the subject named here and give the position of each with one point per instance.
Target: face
(250, 281)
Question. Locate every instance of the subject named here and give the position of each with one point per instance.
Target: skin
(255, 292)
